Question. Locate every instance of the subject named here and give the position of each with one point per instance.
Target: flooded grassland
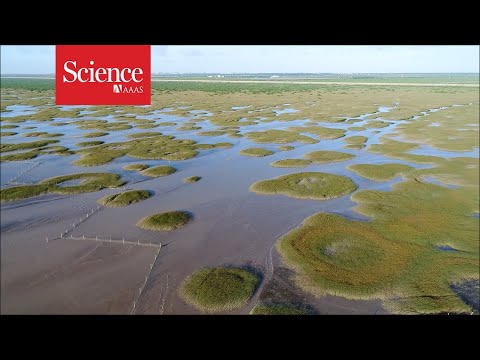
(331, 200)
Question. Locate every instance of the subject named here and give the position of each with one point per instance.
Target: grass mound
(192, 179)
(218, 289)
(91, 182)
(291, 163)
(382, 172)
(286, 148)
(166, 221)
(322, 157)
(258, 152)
(124, 198)
(95, 134)
(89, 143)
(278, 137)
(158, 171)
(135, 167)
(306, 185)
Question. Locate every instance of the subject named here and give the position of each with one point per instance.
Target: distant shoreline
(286, 81)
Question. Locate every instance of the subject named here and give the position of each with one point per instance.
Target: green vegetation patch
(259, 152)
(306, 185)
(157, 171)
(320, 131)
(89, 143)
(278, 137)
(42, 134)
(286, 148)
(322, 157)
(8, 133)
(356, 140)
(144, 135)
(192, 179)
(5, 147)
(124, 198)
(8, 127)
(291, 163)
(219, 289)
(135, 167)
(91, 182)
(279, 309)
(381, 172)
(95, 134)
(394, 257)
(211, 133)
(166, 221)
(376, 124)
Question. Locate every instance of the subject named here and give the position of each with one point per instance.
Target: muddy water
(231, 226)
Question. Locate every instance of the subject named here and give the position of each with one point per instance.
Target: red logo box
(103, 75)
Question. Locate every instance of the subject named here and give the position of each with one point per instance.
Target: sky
(272, 59)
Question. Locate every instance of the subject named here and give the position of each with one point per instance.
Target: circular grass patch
(158, 171)
(192, 179)
(306, 185)
(124, 198)
(166, 221)
(259, 152)
(321, 157)
(135, 167)
(291, 163)
(218, 289)
(347, 258)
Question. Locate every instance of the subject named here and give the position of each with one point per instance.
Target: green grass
(97, 156)
(376, 124)
(291, 163)
(124, 198)
(220, 289)
(278, 137)
(5, 147)
(95, 134)
(167, 123)
(278, 309)
(286, 148)
(258, 152)
(306, 185)
(157, 171)
(89, 143)
(8, 133)
(21, 156)
(135, 167)
(321, 132)
(381, 172)
(321, 157)
(192, 179)
(211, 133)
(144, 135)
(91, 182)
(355, 142)
(395, 256)
(3, 127)
(357, 128)
(42, 134)
(166, 221)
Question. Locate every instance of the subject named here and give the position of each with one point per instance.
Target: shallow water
(231, 224)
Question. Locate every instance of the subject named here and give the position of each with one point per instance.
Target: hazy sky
(227, 59)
